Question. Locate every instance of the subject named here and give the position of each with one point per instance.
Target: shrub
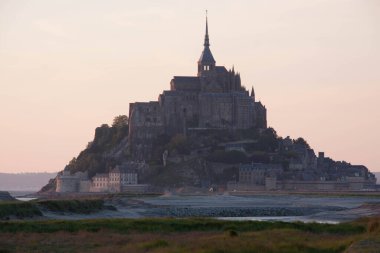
(72, 206)
(232, 233)
(155, 244)
(120, 121)
(18, 209)
(373, 226)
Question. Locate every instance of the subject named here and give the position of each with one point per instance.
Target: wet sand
(306, 208)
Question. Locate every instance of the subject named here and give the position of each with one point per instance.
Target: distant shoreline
(17, 194)
(24, 182)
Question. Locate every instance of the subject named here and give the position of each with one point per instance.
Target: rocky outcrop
(109, 148)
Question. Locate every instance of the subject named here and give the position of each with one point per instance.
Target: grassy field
(188, 235)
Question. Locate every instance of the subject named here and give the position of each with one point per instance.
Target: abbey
(213, 99)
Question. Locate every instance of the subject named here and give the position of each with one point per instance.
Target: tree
(302, 141)
(179, 143)
(268, 140)
(120, 121)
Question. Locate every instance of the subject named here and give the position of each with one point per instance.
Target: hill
(209, 157)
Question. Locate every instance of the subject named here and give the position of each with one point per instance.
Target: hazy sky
(67, 67)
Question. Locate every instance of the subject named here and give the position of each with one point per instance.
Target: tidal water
(21, 195)
(304, 219)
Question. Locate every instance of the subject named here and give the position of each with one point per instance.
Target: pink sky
(67, 67)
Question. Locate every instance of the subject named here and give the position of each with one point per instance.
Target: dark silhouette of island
(208, 132)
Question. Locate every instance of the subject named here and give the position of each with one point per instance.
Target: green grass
(167, 225)
(72, 206)
(20, 209)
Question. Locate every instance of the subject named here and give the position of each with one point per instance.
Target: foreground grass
(187, 235)
(18, 209)
(170, 225)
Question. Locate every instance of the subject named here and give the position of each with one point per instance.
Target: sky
(68, 66)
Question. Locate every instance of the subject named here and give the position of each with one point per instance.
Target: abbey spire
(206, 62)
(207, 39)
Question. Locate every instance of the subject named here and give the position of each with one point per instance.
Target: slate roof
(206, 57)
(186, 79)
(221, 69)
(187, 82)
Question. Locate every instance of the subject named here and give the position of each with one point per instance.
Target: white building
(121, 178)
(100, 183)
(114, 181)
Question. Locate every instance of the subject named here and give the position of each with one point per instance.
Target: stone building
(100, 183)
(71, 183)
(256, 173)
(213, 99)
(119, 177)
(258, 176)
(122, 178)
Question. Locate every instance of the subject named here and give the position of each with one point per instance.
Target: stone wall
(70, 183)
(214, 100)
(67, 184)
(145, 124)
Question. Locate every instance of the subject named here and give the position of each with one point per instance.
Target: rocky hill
(204, 158)
(109, 148)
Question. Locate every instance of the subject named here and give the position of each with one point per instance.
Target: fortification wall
(67, 184)
(145, 124)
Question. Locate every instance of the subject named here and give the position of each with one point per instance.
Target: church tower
(206, 62)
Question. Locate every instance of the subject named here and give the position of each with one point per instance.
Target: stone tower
(206, 63)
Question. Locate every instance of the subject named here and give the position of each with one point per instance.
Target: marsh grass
(169, 225)
(30, 209)
(182, 235)
(18, 210)
(155, 244)
(72, 206)
(291, 241)
(195, 235)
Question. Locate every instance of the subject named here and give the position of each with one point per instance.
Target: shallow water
(280, 218)
(25, 199)
(20, 194)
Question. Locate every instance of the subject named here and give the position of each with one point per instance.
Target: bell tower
(206, 62)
